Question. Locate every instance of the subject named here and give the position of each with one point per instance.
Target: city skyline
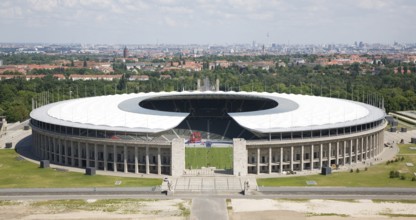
(208, 22)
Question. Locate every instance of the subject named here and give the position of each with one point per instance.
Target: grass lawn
(219, 157)
(375, 176)
(16, 173)
(404, 149)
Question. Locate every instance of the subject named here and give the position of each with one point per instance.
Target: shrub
(391, 174)
(413, 179)
(388, 162)
(351, 171)
(396, 160)
(366, 169)
(402, 177)
(402, 159)
(397, 174)
(357, 170)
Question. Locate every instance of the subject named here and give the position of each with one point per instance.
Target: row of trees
(397, 90)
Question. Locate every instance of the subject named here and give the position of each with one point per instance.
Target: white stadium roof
(123, 113)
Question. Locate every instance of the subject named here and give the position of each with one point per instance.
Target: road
(264, 192)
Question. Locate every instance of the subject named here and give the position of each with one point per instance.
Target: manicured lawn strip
(375, 176)
(404, 149)
(24, 174)
(219, 157)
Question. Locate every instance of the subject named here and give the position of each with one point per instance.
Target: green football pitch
(219, 157)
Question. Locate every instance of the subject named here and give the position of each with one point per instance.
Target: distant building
(125, 52)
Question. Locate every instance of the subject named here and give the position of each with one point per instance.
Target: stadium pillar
(87, 155)
(351, 151)
(337, 154)
(270, 160)
(125, 159)
(147, 160)
(66, 153)
(329, 154)
(321, 155)
(240, 154)
(79, 155)
(115, 158)
(344, 153)
(95, 156)
(51, 148)
(362, 149)
(105, 157)
(58, 152)
(159, 164)
(291, 158)
(366, 147)
(136, 162)
(311, 157)
(178, 157)
(72, 154)
(258, 161)
(356, 150)
(302, 151)
(281, 160)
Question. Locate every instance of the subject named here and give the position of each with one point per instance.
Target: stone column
(350, 151)
(79, 155)
(356, 150)
(178, 157)
(52, 151)
(159, 162)
(66, 153)
(329, 154)
(136, 162)
(95, 156)
(321, 149)
(87, 155)
(240, 154)
(344, 152)
(59, 152)
(258, 161)
(291, 158)
(147, 160)
(115, 158)
(125, 159)
(311, 157)
(72, 154)
(302, 151)
(105, 157)
(281, 160)
(362, 148)
(270, 160)
(337, 155)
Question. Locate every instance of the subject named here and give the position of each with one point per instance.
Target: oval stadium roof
(123, 113)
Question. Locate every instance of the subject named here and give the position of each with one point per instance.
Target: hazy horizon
(208, 22)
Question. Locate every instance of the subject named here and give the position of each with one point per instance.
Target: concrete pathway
(206, 208)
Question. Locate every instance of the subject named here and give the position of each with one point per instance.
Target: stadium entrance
(208, 161)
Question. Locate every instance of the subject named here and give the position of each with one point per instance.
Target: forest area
(347, 82)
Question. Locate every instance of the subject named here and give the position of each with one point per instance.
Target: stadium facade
(147, 133)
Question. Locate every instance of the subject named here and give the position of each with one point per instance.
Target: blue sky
(208, 21)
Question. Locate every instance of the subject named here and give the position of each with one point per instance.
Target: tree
(85, 63)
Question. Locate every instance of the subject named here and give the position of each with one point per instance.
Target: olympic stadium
(147, 133)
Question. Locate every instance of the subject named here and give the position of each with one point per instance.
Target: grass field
(404, 149)
(375, 176)
(15, 173)
(219, 157)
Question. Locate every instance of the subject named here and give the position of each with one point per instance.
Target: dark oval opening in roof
(208, 105)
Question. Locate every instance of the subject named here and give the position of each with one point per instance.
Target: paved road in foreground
(264, 192)
(208, 208)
